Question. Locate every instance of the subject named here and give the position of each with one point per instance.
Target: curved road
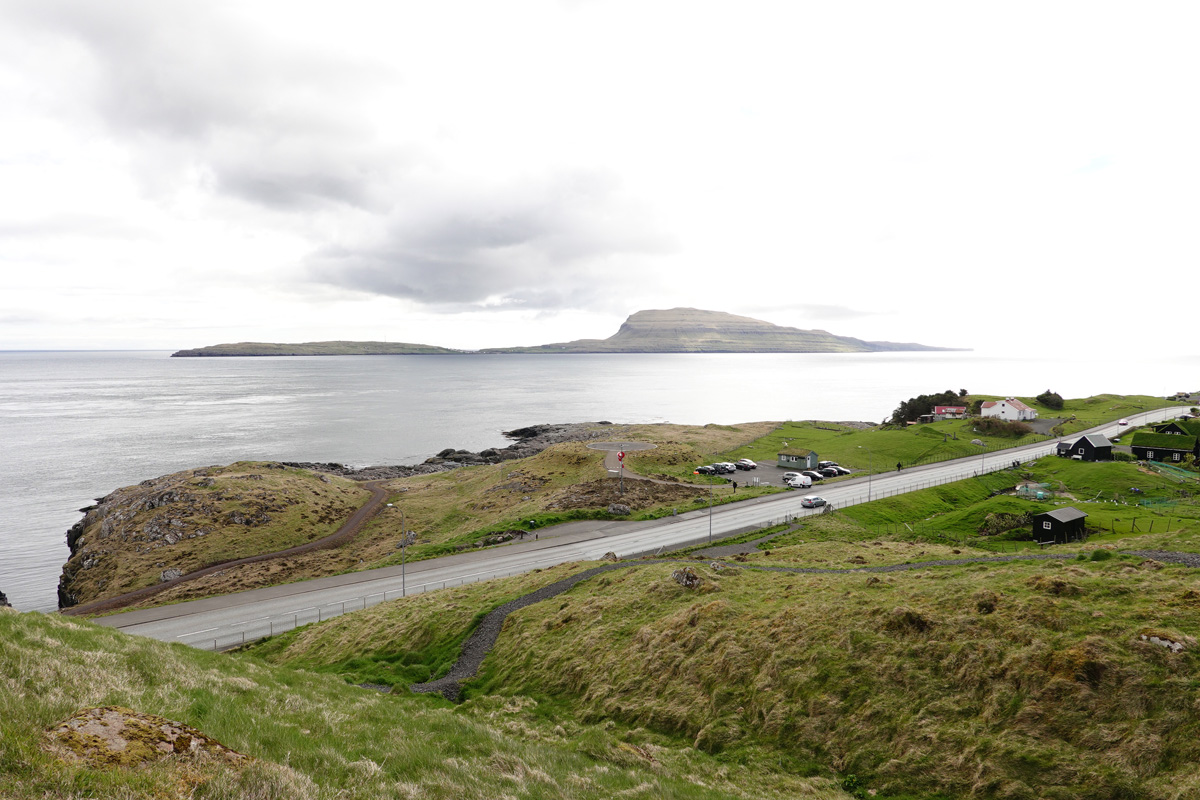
(220, 622)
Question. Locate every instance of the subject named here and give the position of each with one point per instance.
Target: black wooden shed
(1059, 526)
(1093, 447)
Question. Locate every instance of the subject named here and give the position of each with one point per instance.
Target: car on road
(812, 501)
(745, 463)
(705, 470)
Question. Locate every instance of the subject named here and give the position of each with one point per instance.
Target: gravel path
(481, 641)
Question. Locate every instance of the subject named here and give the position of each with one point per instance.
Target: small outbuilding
(798, 458)
(1060, 526)
(1093, 447)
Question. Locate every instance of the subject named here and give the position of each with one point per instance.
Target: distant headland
(676, 330)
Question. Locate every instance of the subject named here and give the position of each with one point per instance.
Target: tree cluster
(1051, 400)
(915, 407)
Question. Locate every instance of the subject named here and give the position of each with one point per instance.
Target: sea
(76, 425)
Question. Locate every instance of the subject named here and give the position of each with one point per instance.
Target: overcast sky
(472, 174)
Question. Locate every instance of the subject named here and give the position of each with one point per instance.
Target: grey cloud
(552, 247)
(183, 85)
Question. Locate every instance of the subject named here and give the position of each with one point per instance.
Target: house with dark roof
(798, 458)
(1173, 447)
(1060, 526)
(1093, 447)
(1010, 409)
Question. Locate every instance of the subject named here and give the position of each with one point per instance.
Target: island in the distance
(676, 330)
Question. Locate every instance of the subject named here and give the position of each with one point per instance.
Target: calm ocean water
(76, 425)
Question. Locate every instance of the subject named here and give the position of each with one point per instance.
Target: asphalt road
(220, 622)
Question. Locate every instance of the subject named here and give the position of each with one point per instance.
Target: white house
(1009, 409)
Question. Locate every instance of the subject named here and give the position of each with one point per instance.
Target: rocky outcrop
(4, 601)
(530, 441)
(113, 736)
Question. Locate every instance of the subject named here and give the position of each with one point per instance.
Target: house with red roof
(1010, 409)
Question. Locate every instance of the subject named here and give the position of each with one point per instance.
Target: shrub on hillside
(994, 426)
(912, 409)
(1051, 400)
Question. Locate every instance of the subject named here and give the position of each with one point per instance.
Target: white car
(798, 482)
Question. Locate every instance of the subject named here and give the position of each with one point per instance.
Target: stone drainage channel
(483, 638)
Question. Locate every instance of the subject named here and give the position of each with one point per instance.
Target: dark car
(824, 464)
(812, 473)
(706, 470)
(841, 470)
(829, 472)
(745, 463)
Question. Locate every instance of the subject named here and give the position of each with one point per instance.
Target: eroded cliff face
(168, 526)
(4, 601)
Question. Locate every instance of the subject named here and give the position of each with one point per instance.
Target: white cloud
(943, 172)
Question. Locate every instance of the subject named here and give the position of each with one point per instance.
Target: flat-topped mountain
(692, 330)
(676, 330)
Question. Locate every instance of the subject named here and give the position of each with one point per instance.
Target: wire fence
(281, 623)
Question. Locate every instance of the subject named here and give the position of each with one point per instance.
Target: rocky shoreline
(530, 441)
(4, 601)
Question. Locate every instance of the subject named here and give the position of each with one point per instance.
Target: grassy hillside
(1019, 679)
(880, 449)
(313, 737)
(190, 519)
(692, 330)
(457, 509)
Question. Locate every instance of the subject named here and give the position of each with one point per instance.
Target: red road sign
(621, 456)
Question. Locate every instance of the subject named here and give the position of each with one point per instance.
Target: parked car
(812, 473)
(829, 472)
(724, 467)
(823, 464)
(745, 463)
(706, 470)
(787, 476)
(841, 470)
(812, 501)
(798, 482)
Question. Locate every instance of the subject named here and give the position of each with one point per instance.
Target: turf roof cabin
(1060, 526)
(1093, 447)
(798, 458)
(1163, 446)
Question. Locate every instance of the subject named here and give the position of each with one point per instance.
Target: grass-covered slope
(692, 330)
(191, 519)
(1018, 679)
(313, 737)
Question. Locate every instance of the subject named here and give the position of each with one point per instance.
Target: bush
(994, 426)
(1120, 455)
(1051, 400)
